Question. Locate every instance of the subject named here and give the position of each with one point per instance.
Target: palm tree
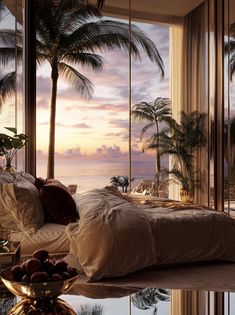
(124, 183)
(66, 39)
(115, 181)
(149, 298)
(182, 141)
(120, 181)
(153, 113)
(69, 36)
(7, 82)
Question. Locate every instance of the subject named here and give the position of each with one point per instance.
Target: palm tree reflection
(90, 310)
(149, 298)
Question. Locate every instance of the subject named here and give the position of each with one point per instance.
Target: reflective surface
(42, 307)
(37, 290)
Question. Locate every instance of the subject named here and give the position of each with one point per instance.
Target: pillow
(6, 177)
(21, 207)
(58, 204)
(23, 176)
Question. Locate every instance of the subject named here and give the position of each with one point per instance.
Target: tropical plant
(183, 140)
(115, 181)
(7, 82)
(9, 145)
(121, 181)
(153, 113)
(149, 298)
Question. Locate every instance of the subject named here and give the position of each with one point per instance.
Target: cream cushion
(50, 236)
(21, 208)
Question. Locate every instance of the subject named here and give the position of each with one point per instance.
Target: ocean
(89, 174)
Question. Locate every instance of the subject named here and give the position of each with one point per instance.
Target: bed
(115, 237)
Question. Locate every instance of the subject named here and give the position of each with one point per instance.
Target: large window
(11, 83)
(92, 135)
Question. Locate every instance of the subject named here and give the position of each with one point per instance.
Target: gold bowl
(39, 290)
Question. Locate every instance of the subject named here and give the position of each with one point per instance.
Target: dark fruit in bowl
(61, 266)
(39, 276)
(48, 266)
(41, 254)
(65, 275)
(33, 265)
(25, 278)
(23, 267)
(72, 271)
(56, 277)
(41, 269)
(16, 273)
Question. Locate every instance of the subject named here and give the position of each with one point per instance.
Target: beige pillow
(6, 177)
(22, 206)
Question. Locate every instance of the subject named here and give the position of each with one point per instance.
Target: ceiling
(166, 11)
(161, 7)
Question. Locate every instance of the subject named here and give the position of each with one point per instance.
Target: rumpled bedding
(115, 237)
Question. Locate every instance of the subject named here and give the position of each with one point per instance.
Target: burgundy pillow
(58, 204)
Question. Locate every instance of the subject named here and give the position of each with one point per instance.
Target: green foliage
(182, 140)
(153, 113)
(121, 181)
(9, 145)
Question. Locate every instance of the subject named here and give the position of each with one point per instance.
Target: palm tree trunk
(51, 147)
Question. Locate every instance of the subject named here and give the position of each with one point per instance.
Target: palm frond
(76, 79)
(145, 129)
(106, 35)
(7, 55)
(143, 111)
(11, 37)
(7, 87)
(93, 61)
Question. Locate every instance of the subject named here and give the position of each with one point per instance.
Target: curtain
(188, 302)
(189, 82)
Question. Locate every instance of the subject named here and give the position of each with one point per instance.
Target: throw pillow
(22, 207)
(58, 204)
(6, 177)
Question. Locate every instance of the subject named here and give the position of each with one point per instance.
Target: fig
(33, 265)
(23, 267)
(60, 266)
(56, 277)
(10, 277)
(65, 275)
(72, 271)
(25, 278)
(48, 266)
(39, 276)
(41, 254)
(16, 273)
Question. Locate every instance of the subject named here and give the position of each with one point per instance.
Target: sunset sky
(99, 127)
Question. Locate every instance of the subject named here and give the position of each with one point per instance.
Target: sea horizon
(90, 174)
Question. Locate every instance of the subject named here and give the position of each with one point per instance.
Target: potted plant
(183, 140)
(9, 146)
